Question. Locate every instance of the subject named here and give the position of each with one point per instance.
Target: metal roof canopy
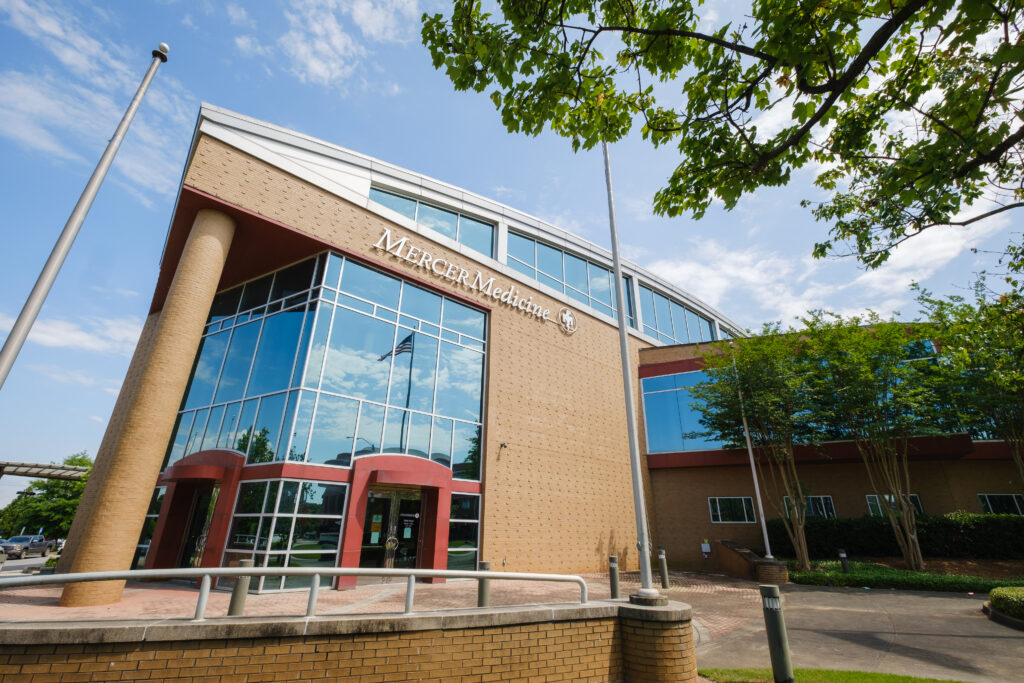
(33, 469)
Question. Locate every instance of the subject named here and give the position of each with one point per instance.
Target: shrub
(955, 535)
(51, 561)
(1009, 601)
(870, 575)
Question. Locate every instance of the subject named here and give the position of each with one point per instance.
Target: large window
(363, 363)
(672, 322)
(464, 531)
(475, 234)
(816, 506)
(287, 524)
(1002, 503)
(875, 510)
(735, 509)
(589, 283)
(670, 423)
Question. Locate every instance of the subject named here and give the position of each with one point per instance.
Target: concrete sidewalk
(902, 632)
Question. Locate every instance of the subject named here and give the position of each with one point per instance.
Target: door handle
(391, 543)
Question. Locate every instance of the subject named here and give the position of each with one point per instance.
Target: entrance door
(391, 532)
(204, 502)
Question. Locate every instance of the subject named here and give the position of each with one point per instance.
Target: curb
(1001, 617)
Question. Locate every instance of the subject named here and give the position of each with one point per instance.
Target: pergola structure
(43, 471)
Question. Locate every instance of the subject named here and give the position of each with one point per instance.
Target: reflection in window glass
(441, 443)
(333, 431)
(357, 364)
(463, 319)
(272, 368)
(460, 372)
(207, 369)
(672, 425)
(370, 284)
(671, 322)
(402, 205)
(263, 438)
(421, 304)
(444, 222)
(371, 425)
(256, 293)
(466, 451)
(476, 235)
(236, 366)
(469, 231)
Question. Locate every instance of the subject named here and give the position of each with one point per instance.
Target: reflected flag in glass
(404, 346)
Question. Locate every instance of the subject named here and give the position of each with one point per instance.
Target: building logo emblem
(567, 321)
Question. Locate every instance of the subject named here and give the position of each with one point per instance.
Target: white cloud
(104, 335)
(386, 20)
(97, 418)
(239, 17)
(250, 46)
(188, 22)
(64, 376)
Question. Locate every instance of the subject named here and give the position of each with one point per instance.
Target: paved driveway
(916, 633)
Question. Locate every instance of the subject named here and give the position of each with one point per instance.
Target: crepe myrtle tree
(981, 362)
(909, 111)
(765, 378)
(876, 385)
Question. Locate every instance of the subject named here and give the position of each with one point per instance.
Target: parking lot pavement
(914, 633)
(17, 566)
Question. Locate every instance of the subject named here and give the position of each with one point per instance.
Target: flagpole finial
(161, 52)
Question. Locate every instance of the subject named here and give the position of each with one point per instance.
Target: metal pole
(647, 590)
(483, 586)
(29, 312)
(663, 567)
(778, 642)
(314, 594)
(239, 592)
(613, 576)
(410, 593)
(750, 455)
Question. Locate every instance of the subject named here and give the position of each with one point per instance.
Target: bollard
(483, 586)
(239, 592)
(663, 566)
(778, 642)
(613, 576)
(843, 560)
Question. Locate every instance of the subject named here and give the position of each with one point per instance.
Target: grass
(811, 676)
(871, 575)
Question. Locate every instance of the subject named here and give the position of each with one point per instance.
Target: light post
(29, 312)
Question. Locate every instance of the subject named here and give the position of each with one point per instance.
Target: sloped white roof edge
(349, 175)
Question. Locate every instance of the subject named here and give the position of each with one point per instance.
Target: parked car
(18, 547)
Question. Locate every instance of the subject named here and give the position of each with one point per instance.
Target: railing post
(613, 576)
(204, 595)
(238, 594)
(314, 594)
(663, 566)
(483, 586)
(778, 642)
(410, 593)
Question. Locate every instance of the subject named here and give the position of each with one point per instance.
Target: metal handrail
(313, 572)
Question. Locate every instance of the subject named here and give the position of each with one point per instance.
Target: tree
(876, 387)
(981, 349)
(910, 109)
(50, 505)
(770, 370)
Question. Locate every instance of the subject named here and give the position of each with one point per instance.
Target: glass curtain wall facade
(671, 423)
(327, 360)
(475, 234)
(673, 323)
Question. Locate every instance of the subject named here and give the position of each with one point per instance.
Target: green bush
(51, 561)
(955, 535)
(1009, 601)
(871, 575)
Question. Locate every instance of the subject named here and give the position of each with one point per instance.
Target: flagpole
(647, 590)
(30, 311)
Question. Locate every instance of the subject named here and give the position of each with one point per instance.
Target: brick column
(657, 643)
(107, 537)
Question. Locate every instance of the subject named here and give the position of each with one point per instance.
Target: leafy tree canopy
(52, 507)
(909, 110)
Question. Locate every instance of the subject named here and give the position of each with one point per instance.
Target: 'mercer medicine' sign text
(510, 296)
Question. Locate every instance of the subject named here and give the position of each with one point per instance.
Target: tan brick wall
(558, 498)
(654, 651)
(586, 650)
(682, 519)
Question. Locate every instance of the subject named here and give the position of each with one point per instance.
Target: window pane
(396, 431)
(318, 346)
(321, 499)
(293, 279)
(465, 507)
(250, 497)
(280, 537)
(441, 443)
(303, 422)
(419, 435)
(549, 260)
(444, 222)
(412, 375)
(463, 319)
(679, 324)
(663, 423)
(245, 420)
(356, 364)
(267, 430)
(333, 271)
(236, 366)
(661, 305)
(462, 560)
(476, 235)
(579, 296)
(286, 429)
(421, 304)
(207, 369)
(647, 307)
(180, 439)
(600, 283)
(272, 490)
(576, 272)
(707, 330)
(195, 439)
(256, 293)
(275, 357)
(402, 205)
(521, 248)
(225, 304)
(243, 533)
(369, 284)
(462, 535)
(333, 430)
(693, 322)
(289, 495)
(522, 268)
(459, 382)
(300, 358)
(466, 451)
(212, 429)
(371, 425)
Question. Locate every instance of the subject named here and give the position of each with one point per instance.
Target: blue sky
(352, 72)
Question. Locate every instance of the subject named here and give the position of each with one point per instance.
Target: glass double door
(391, 529)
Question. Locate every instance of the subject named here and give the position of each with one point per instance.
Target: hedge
(870, 575)
(955, 535)
(1009, 601)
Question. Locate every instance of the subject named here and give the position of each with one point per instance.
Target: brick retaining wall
(602, 641)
